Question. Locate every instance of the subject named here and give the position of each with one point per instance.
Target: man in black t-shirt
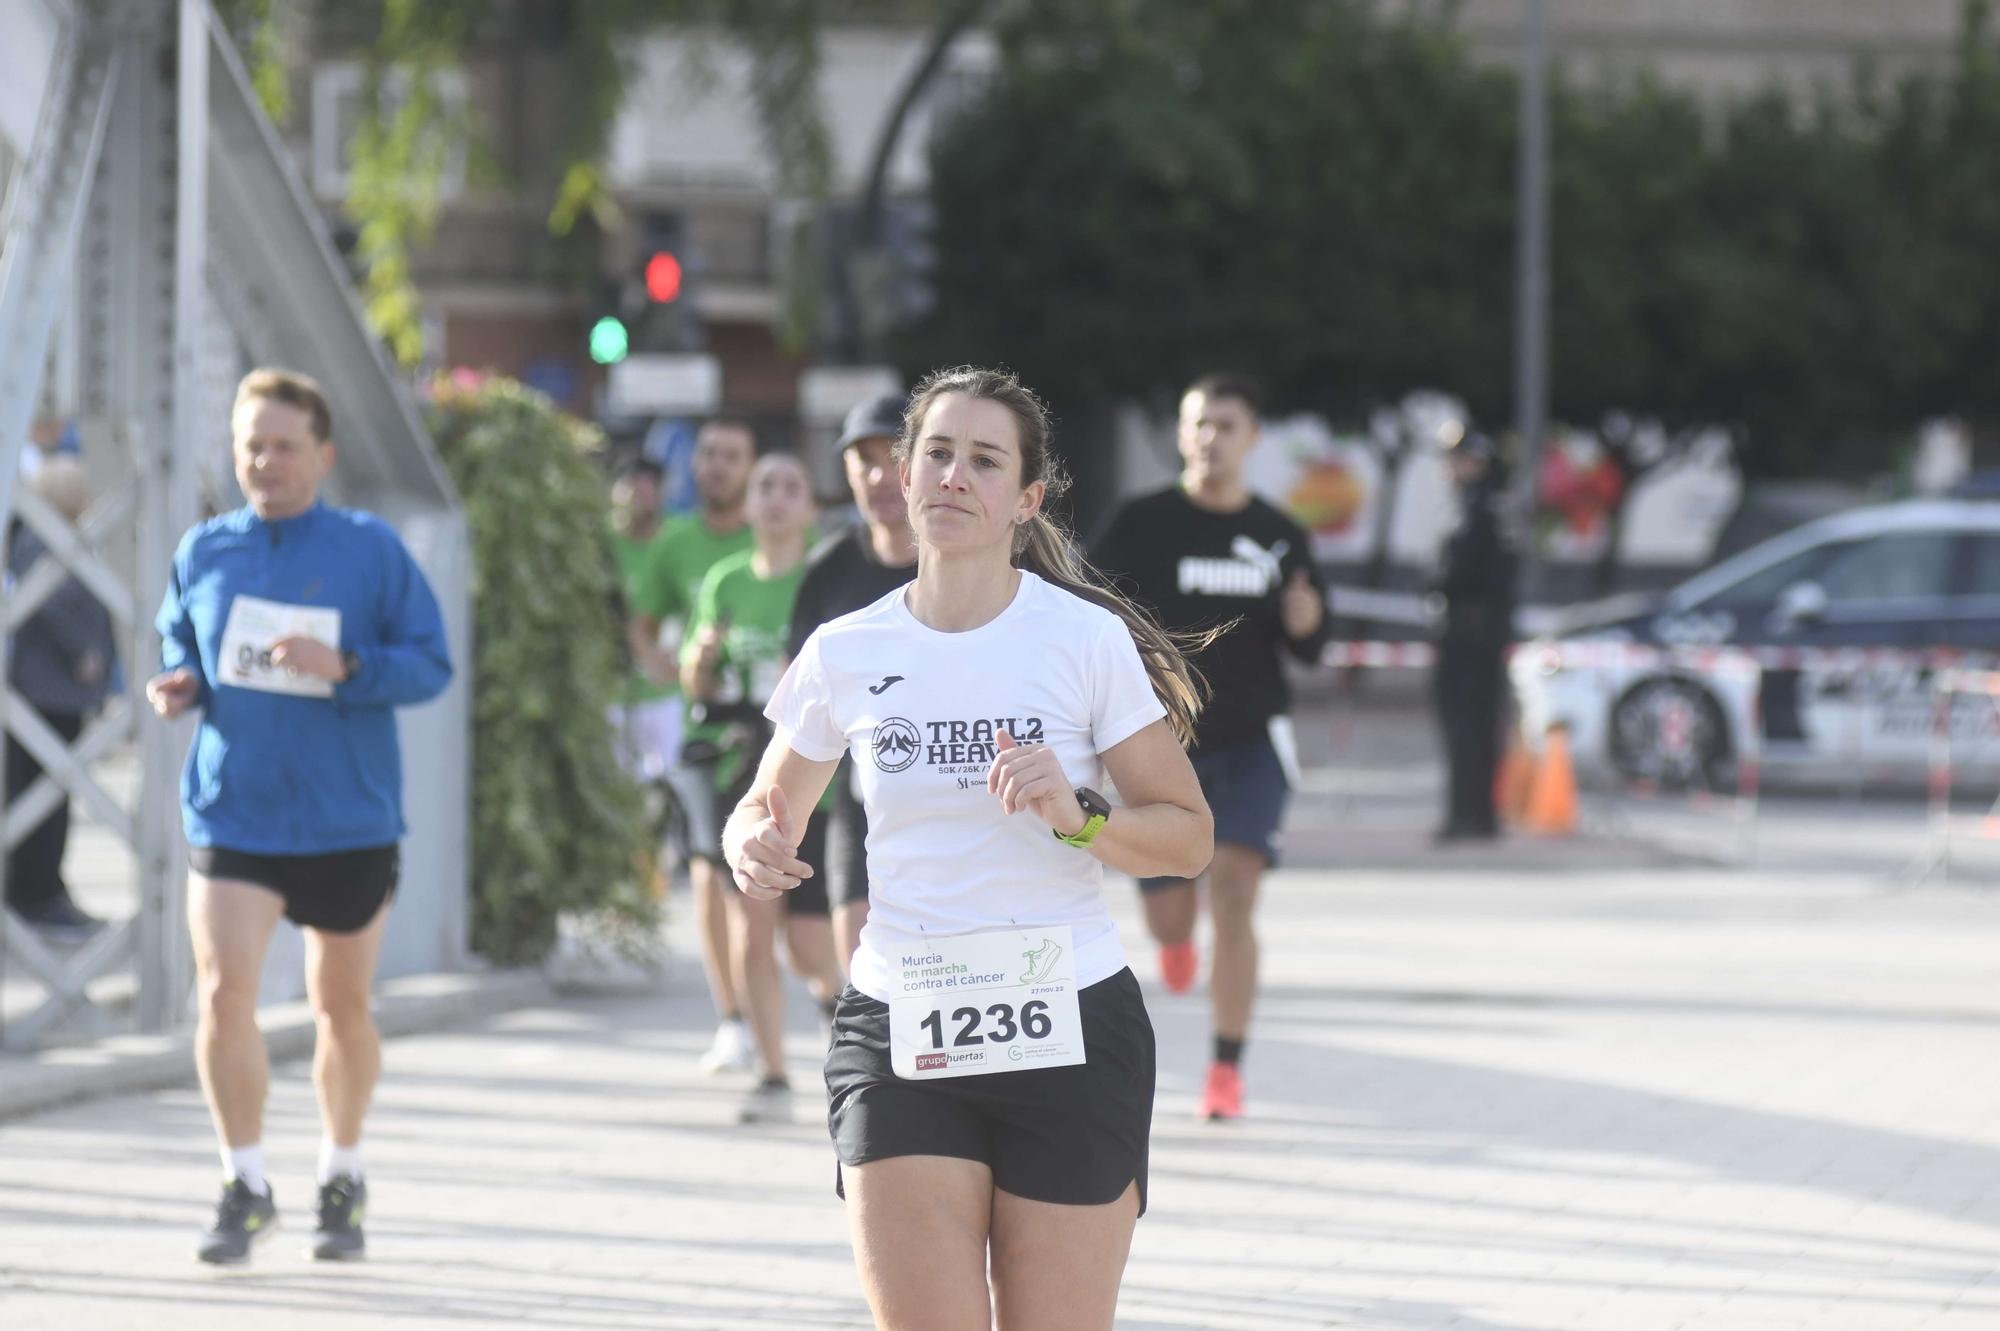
(1202, 553)
(847, 572)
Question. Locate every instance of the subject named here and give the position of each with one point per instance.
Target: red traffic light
(663, 278)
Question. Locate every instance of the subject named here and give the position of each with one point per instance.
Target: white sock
(337, 1160)
(246, 1163)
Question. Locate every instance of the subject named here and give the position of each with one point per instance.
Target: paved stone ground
(1595, 1085)
(1489, 1095)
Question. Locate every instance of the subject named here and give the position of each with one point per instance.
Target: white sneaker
(731, 1050)
(768, 1102)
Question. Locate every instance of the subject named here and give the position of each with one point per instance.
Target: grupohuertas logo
(895, 744)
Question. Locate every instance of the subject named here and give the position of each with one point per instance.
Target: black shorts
(1074, 1135)
(809, 897)
(1247, 792)
(339, 893)
(846, 844)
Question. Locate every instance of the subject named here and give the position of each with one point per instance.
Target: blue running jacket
(276, 772)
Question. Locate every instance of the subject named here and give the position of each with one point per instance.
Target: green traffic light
(609, 341)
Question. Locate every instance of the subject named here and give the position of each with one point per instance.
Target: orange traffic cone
(1551, 807)
(1514, 779)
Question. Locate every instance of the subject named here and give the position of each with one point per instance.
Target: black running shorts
(809, 897)
(339, 893)
(846, 844)
(1074, 1135)
(1247, 793)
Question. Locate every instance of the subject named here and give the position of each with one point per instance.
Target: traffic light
(645, 301)
(664, 286)
(609, 341)
(663, 277)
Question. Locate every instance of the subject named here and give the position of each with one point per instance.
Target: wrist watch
(1095, 810)
(350, 665)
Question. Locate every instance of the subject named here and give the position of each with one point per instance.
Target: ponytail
(1043, 548)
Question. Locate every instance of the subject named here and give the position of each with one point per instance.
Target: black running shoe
(337, 1236)
(243, 1218)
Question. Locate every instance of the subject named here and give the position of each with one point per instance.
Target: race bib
(255, 625)
(988, 1002)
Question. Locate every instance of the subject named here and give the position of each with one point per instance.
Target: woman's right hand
(173, 691)
(767, 862)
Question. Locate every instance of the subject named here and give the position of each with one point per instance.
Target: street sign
(648, 384)
(827, 391)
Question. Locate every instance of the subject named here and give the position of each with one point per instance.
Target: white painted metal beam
(265, 227)
(43, 220)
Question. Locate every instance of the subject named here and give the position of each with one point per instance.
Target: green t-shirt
(758, 612)
(668, 571)
(631, 556)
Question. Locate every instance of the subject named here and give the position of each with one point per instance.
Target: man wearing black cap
(1475, 585)
(847, 572)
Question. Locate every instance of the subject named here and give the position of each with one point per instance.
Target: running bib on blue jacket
(255, 625)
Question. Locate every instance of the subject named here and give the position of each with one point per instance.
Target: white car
(1815, 652)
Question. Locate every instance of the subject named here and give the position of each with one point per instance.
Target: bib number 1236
(981, 1003)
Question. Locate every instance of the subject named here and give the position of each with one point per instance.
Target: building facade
(687, 163)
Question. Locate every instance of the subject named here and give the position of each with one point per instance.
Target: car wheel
(1671, 732)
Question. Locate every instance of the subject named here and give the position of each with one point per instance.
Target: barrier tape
(1950, 684)
(1589, 655)
(1381, 655)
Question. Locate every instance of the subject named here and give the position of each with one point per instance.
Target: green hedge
(557, 828)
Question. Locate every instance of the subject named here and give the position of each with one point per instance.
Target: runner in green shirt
(731, 662)
(663, 590)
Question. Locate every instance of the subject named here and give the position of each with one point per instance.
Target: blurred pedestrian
(991, 1074)
(733, 656)
(854, 569)
(663, 595)
(1474, 594)
(1210, 558)
(63, 663)
(48, 435)
(646, 721)
(296, 629)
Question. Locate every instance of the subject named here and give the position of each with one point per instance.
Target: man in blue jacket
(296, 629)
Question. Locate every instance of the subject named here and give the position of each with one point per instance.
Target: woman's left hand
(1030, 777)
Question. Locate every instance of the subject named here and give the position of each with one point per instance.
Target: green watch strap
(1085, 834)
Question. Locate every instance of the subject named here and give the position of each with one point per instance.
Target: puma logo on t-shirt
(1251, 570)
(879, 689)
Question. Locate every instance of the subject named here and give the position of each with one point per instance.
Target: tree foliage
(402, 143)
(557, 827)
(1155, 187)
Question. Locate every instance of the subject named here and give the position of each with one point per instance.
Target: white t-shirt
(919, 709)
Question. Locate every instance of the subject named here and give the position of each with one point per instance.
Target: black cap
(874, 418)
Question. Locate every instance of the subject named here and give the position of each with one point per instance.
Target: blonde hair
(291, 388)
(1044, 547)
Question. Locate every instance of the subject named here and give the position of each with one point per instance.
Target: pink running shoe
(1178, 964)
(1223, 1097)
